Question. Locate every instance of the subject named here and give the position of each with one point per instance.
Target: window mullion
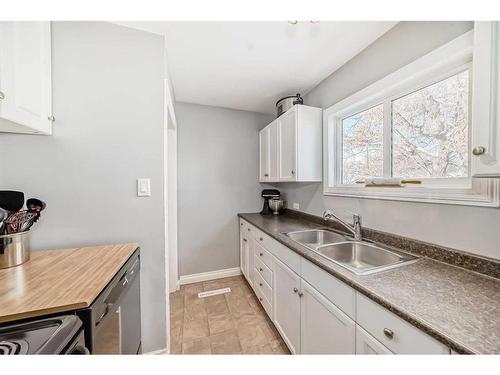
(387, 139)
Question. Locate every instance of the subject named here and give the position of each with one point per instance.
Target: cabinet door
(367, 344)
(25, 77)
(244, 253)
(324, 328)
(250, 259)
(273, 151)
(264, 154)
(287, 125)
(486, 100)
(286, 305)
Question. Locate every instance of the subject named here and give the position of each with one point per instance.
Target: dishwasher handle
(104, 314)
(122, 284)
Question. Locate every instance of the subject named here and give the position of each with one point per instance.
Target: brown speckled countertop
(458, 307)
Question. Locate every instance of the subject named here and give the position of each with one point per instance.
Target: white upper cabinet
(486, 100)
(268, 157)
(287, 136)
(25, 78)
(291, 146)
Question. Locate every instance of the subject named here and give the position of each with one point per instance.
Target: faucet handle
(356, 218)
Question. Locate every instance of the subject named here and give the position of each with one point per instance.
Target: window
(412, 124)
(363, 145)
(430, 130)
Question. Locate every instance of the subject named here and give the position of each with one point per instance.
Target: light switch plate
(143, 187)
(296, 206)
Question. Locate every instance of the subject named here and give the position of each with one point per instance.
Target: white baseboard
(212, 275)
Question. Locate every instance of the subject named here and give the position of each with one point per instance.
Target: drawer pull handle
(261, 254)
(295, 290)
(260, 299)
(261, 239)
(301, 294)
(241, 224)
(388, 333)
(260, 269)
(248, 229)
(244, 239)
(260, 284)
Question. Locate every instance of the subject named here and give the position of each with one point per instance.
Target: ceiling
(250, 65)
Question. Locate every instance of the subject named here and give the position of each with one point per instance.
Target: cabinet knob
(248, 229)
(260, 284)
(301, 294)
(244, 239)
(293, 172)
(388, 333)
(2, 95)
(261, 254)
(51, 118)
(260, 269)
(260, 238)
(479, 150)
(260, 299)
(241, 224)
(265, 175)
(295, 290)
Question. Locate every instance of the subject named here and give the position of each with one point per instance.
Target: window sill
(484, 193)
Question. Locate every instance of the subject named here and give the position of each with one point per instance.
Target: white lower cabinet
(367, 344)
(286, 305)
(315, 312)
(393, 332)
(324, 329)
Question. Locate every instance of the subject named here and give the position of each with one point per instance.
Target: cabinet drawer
(264, 302)
(262, 286)
(264, 255)
(283, 253)
(395, 333)
(366, 343)
(339, 293)
(264, 271)
(243, 225)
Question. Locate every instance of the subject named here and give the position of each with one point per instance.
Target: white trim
(157, 352)
(211, 275)
(454, 56)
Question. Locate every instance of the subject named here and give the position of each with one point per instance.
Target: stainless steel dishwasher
(112, 323)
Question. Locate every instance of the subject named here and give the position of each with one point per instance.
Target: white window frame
(442, 63)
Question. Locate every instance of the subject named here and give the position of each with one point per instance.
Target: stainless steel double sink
(359, 257)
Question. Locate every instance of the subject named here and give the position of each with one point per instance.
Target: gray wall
(108, 104)
(217, 178)
(472, 229)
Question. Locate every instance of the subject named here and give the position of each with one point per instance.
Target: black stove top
(47, 336)
(13, 347)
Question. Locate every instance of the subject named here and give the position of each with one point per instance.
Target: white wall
(217, 178)
(470, 229)
(108, 104)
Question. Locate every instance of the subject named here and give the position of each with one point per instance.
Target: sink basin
(363, 258)
(315, 238)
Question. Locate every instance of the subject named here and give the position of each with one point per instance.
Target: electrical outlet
(296, 206)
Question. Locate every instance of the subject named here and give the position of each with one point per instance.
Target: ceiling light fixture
(296, 22)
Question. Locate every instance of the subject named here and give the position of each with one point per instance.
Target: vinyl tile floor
(231, 323)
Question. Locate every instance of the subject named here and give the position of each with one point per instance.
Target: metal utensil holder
(14, 249)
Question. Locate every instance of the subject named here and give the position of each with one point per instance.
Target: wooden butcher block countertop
(59, 280)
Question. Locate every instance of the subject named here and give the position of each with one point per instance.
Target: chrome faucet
(355, 228)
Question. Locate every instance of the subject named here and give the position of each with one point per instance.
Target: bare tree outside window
(430, 130)
(362, 145)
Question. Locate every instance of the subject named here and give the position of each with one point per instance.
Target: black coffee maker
(268, 194)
